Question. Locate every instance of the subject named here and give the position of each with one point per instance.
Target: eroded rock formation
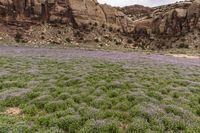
(169, 24)
(159, 27)
(76, 12)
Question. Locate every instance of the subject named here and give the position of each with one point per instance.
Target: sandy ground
(71, 53)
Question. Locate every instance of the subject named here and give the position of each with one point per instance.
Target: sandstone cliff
(83, 21)
(75, 12)
(170, 24)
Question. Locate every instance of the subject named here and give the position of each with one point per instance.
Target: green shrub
(137, 111)
(174, 110)
(183, 45)
(68, 83)
(56, 106)
(156, 125)
(113, 93)
(155, 95)
(164, 91)
(110, 29)
(97, 40)
(89, 112)
(30, 110)
(98, 92)
(13, 124)
(176, 95)
(77, 98)
(198, 111)
(18, 37)
(78, 34)
(131, 98)
(68, 40)
(4, 128)
(42, 37)
(69, 111)
(174, 123)
(147, 111)
(102, 103)
(88, 99)
(70, 123)
(41, 100)
(95, 24)
(102, 126)
(32, 95)
(16, 128)
(13, 101)
(64, 96)
(119, 115)
(1, 85)
(129, 41)
(139, 125)
(122, 106)
(47, 120)
(49, 130)
(195, 128)
(103, 25)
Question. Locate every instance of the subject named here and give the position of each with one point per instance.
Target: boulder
(87, 11)
(180, 13)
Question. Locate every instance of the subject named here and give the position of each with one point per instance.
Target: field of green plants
(98, 96)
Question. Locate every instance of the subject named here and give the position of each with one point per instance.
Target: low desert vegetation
(87, 95)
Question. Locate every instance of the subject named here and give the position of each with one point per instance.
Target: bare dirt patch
(186, 56)
(12, 111)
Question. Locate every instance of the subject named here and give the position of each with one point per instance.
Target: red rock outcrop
(167, 24)
(76, 12)
(176, 22)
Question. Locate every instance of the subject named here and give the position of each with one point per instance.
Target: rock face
(34, 10)
(136, 11)
(86, 11)
(176, 21)
(76, 12)
(159, 27)
(170, 25)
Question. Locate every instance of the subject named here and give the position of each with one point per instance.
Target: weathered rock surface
(168, 25)
(136, 11)
(87, 20)
(76, 12)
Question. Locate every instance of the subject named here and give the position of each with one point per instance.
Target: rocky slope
(87, 21)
